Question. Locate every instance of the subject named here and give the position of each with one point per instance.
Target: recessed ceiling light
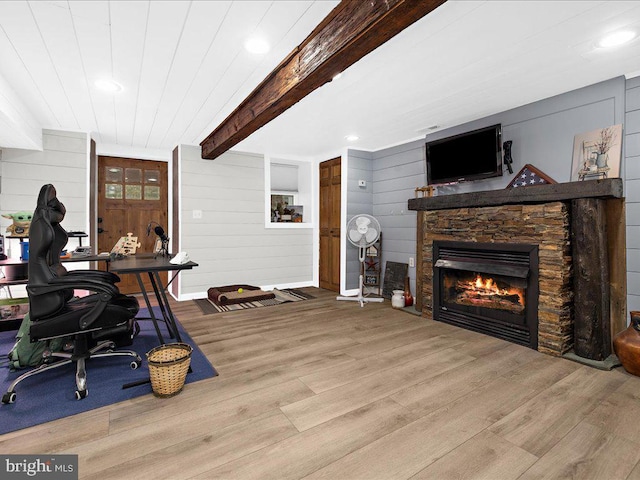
(337, 76)
(107, 85)
(256, 45)
(351, 138)
(616, 39)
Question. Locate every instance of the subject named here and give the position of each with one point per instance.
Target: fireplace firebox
(491, 288)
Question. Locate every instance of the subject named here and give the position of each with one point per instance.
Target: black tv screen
(469, 156)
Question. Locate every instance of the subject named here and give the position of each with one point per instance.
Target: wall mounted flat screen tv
(469, 156)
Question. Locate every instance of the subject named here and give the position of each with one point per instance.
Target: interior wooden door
(131, 194)
(330, 179)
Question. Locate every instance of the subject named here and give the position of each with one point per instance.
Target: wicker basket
(168, 367)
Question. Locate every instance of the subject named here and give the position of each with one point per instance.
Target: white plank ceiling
(184, 68)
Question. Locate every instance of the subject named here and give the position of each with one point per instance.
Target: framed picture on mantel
(596, 154)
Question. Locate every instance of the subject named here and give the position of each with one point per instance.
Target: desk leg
(148, 303)
(164, 305)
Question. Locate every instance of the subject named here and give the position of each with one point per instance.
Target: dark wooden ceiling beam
(352, 30)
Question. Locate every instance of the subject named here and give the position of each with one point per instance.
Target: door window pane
(133, 175)
(152, 176)
(151, 192)
(113, 191)
(113, 174)
(133, 192)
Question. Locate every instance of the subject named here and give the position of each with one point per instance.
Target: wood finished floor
(327, 389)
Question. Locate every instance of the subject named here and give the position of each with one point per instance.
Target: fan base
(362, 299)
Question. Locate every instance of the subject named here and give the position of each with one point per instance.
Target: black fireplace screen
(489, 288)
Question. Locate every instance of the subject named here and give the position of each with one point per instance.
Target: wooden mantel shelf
(608, 188)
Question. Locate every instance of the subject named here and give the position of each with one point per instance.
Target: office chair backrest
(59, 242)
(46, 240)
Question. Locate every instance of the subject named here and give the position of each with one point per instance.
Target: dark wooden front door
(131, 194)
(330, 179)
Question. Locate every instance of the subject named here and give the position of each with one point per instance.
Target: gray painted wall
(543, 132)
(542, 135)
(397, 172)
(230, 242)
(359, 200)
(632, 191)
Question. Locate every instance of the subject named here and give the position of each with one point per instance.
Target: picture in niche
(279, 203)
(596, 154)
(288, 213)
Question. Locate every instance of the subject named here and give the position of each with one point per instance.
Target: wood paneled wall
(62, 162)
(632, 190)
(230, 242)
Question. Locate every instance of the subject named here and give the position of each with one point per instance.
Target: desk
(152, 265)
(21, 266)
(72, 258)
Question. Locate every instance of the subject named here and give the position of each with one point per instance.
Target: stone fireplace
(488, 287)
(545, 226)
(557, 243)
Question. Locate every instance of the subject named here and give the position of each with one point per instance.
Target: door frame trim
(344, 180)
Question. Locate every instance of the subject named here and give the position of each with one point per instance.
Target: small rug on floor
(281, 296)
(51, 395)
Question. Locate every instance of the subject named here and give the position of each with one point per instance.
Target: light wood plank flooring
(327, 389)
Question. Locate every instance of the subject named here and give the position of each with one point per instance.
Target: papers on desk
(180, 258)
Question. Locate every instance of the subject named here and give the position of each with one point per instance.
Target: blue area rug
(51, 395)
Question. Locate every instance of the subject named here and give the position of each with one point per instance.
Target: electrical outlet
(412, 262)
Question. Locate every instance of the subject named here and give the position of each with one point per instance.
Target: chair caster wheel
(135, 364)
(80, 394)
(9, 397)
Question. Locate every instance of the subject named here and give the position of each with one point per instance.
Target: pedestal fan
(362, 231)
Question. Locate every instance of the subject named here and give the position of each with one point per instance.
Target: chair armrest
(64, 283)
(96, 275)
(105, 292)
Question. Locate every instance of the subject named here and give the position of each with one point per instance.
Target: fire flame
(487, 286)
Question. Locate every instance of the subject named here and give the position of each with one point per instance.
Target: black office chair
(95, 323)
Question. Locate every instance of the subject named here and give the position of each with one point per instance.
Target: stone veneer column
(546, 225)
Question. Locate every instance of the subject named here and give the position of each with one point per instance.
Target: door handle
(101, 230)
